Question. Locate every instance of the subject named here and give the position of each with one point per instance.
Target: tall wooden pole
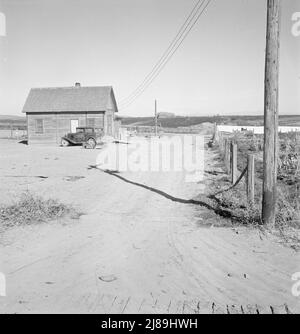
(271, 112)
(155, 118)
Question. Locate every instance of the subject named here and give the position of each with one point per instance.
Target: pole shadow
(114, 173)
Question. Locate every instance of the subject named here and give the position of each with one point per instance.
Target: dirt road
(135, 249)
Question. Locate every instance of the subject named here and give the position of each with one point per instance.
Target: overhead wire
(182, 34)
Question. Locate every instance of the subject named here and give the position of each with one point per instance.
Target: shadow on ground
(115, 173)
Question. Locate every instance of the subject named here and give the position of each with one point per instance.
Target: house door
(74, 125)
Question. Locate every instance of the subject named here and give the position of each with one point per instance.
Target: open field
(143, 244)
(186, 121)
(6, 122)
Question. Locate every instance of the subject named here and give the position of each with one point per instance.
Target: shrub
(31, 209)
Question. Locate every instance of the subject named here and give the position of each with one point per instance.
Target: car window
(78, 130)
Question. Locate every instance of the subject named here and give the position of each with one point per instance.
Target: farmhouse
(53, 112)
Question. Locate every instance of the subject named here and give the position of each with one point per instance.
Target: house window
(39, 126)
(91, 122)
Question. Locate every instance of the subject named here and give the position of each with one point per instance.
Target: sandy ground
(135, 249)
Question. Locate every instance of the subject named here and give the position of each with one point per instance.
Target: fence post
(223, 145)
(233, 161)
(216, 133)
(221, 140)
(227, 155)
(225, 151)
(250, 178)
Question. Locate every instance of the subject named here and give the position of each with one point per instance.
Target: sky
(219, 68)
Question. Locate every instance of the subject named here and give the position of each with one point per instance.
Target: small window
(91, 122)
(39, 126)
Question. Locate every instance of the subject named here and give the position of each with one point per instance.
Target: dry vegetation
(235, 201)
(31, 209)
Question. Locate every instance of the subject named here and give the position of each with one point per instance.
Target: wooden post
(216, 133)
(227, 155)
(225, 152)
(250, 178)
(271, 112)
(233, 160)
(221, 141)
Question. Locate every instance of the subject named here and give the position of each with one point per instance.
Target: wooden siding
(109, 126)
(56, 125)
(110, 113)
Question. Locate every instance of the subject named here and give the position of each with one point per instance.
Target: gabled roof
(68, 99)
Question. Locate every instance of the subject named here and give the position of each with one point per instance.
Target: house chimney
(77, 84)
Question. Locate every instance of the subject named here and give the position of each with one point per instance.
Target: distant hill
(164, 114)
(166, 122)
(7, 121)
(186, 121)
(12, 121)
(12, 117)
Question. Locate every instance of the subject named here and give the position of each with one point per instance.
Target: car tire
(64, 143)
(91, 143)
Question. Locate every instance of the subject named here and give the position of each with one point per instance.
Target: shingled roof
(68, 99)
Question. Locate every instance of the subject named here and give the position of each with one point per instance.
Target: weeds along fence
(229, 151)
(248, 166)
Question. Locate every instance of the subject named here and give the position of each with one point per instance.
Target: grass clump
(235, 201)
(31, 209)
(287, 220)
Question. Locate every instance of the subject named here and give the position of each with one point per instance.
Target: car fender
(68, 139)
(91, 137)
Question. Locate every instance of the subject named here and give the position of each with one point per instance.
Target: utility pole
(155, 118)
(271, 112)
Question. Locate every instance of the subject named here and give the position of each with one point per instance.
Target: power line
(167, 55)
(161, 67)
(173, 47)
